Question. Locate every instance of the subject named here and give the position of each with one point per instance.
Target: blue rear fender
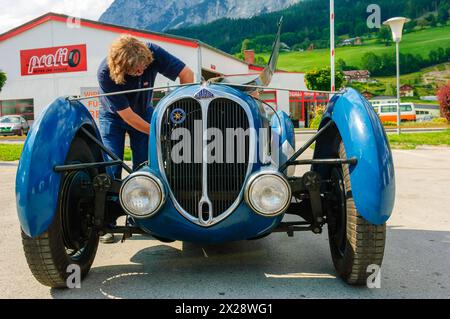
(47, 145)
(372, 178)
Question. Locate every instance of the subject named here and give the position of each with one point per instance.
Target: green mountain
(307, 23)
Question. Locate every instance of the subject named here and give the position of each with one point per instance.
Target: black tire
(20, 132)
(74, 58)
(354, 242)
(48, 255)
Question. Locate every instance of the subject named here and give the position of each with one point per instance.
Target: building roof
(384, 97)
(406, 87)
(357, 73)
(51, 16)
(351, 39)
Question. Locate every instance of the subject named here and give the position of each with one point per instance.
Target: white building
(55, 55)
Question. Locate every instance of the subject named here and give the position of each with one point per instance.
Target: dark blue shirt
(163, 62)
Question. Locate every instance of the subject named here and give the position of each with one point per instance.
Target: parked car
(232, 187)
(13, 125)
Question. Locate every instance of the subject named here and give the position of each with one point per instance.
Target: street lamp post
(396, 25)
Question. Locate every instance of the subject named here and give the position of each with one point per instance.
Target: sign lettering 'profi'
(63, 59)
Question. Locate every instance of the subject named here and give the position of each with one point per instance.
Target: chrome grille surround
(252, 147)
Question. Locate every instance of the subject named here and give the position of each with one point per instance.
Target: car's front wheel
(71, 239)
(355, 243)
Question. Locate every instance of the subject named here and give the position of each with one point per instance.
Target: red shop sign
(69, 58)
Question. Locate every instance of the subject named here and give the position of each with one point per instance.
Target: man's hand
(134, 120)
(186, 75)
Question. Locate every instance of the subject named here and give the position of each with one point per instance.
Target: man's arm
(186, 75)
(131, 118)
(134, 120)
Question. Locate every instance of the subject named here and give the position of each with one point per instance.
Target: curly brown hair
(125, 54)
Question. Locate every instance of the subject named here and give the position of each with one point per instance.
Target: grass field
(11, 152)
(418, 42)
(411, 141)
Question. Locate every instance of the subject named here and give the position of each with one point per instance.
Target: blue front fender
(47, 145)
(372, 178)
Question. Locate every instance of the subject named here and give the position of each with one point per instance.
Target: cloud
(17, 12)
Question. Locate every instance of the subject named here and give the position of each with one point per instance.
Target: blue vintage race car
(199, 187)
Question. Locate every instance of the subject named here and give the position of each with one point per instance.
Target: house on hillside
(406, 90)
(351, 41)
(368, 95)
(284, 47)
(357, 76)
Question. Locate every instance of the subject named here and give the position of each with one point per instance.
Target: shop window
(157, 96)
(302, 105)
(269, 97)
(23, 107)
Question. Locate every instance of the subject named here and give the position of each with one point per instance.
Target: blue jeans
(113, 129)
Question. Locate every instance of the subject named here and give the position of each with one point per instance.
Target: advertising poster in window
(93, 104)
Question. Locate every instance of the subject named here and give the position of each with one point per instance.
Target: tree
(259, 60)
(410, 25)
(372, 62)
(444, 100)
(3, 78)
(433, 57)
(321, 79)
(388, 66)
(410, 63)
(245, 45)
(422, 23)
(341, 65)
(441, 55)
(431, 20)
(385, 35)
(360, 29)
(443, 14)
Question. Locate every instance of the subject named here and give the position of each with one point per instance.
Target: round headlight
(268, 194)
(141, 195)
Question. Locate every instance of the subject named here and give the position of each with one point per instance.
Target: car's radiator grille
(225, 175)
(184, 177)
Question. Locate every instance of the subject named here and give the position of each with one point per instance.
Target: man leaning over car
(132, 64)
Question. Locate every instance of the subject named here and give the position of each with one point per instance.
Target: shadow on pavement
(271, 268)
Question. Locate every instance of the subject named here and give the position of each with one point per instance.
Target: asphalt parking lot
(416, 263)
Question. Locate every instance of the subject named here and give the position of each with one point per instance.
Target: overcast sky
(16, 12)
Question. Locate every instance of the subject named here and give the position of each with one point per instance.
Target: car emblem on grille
(203, 94)
(178, 116)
